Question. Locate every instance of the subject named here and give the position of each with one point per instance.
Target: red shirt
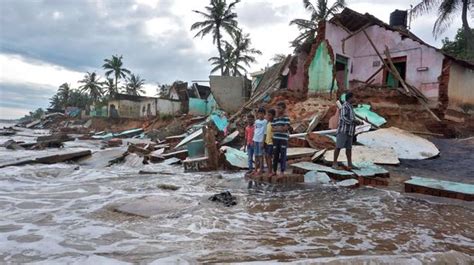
(249, 130)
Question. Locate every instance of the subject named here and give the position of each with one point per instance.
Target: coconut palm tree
(55, 102)
(109, 88)
(243, 52)
(64, 94)
(91, 86)
(226, 63)
(115, 66)
(217, 17)
(319, 12)
(447, 10)
(135, 85)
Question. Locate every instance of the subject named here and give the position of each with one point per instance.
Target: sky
(44, 43)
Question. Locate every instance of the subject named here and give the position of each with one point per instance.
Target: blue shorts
(269, 150)
(258, 148)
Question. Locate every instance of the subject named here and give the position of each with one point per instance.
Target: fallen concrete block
(316, 177)
(367, 169)
(348, 183)
(405, 144)
(304, 167)
(48, 158)
(235, 157)
(441, 188)
(299, 152)
(364, 154)
(138, 150)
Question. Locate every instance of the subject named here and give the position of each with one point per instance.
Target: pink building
(345, 56)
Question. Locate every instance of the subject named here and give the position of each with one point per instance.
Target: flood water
(64, 213)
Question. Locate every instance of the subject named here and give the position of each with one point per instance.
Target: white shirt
(260, 127)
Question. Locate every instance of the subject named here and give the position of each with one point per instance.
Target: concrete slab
(405, 144)
(229, 138)
(364, 154)
(189, 138)
(298, 152)
(304, 167)
(235, 157)
(48, 157)
(367, 169)
(153, 205)
(316, 177)
(440, 188)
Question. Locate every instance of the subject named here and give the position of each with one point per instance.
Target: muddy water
(64, 213)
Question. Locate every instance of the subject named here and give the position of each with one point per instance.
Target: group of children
(267, 139)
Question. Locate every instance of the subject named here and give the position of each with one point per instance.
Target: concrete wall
(126, 108)
(363, 60)
(148, 107)
(169, 107)
(320, 71)
(202, 107)
(296, 75)
(460, 86)
(229, 92)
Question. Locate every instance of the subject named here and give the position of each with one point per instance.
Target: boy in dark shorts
(280, 128)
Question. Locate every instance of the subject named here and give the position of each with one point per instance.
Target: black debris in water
(225, 197)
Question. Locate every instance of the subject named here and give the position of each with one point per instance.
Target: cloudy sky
(44, 43)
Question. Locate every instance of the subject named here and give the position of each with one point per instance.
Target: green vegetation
(447, 11)
(309, 27)
(233, 56)
(457, 47)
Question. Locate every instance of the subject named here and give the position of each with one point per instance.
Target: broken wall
(148, 107)
(168, 107)
(461, 87)
(202, 107)
(296, 75)
(321, 71)
(126, 108)
(230, 92)
(423, 63)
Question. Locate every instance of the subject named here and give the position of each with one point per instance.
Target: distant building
(129, 106)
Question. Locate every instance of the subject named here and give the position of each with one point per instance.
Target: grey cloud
(84, 33)
(260, 14)
(25, 96)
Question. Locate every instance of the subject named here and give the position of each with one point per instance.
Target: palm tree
(64, 94)
(320, 12)
(114, 66)
(55, 102)
(92, 86)
(447, 9)
(135, 85)
(279, 57)
(109, 87)
(243, 53)
(219, 16)
(226, 63)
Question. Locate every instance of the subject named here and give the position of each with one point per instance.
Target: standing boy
(269, 141)
(280, 128)
(258, 138)
(249, 132)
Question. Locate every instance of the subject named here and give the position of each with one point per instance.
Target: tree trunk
(469, 40)
(218, 37)
(116, 84)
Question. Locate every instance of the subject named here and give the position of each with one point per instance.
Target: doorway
(342, 71)
(400, 64)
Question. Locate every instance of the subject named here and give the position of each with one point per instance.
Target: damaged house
(130, 106)
(354, 49)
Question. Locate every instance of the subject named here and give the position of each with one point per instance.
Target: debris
(55, 140)
(298, 152)
(376, 155)
(304, 167)
(316, 177)
(153, 205)
(168, 187)
(7, 132)
(138, 150)
(48, 158)
(316, 119)
(157, 155)
(405, 144)
(171, 161)
(196, 164)
(133, 160)
(230, 138)
(189, 138)
(220, 121)
(225, 197)
(320, 141)
(441, 188)
(115, 142)
(103, 158)
(129, 133)
(195, 148)
(367, 169)
(12, 145)
(235, 157)
(363, 111)
(318, 155)
(211, 148)
(181, 154)
(348, 183)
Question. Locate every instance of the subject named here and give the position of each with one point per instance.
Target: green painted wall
(320, 71)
